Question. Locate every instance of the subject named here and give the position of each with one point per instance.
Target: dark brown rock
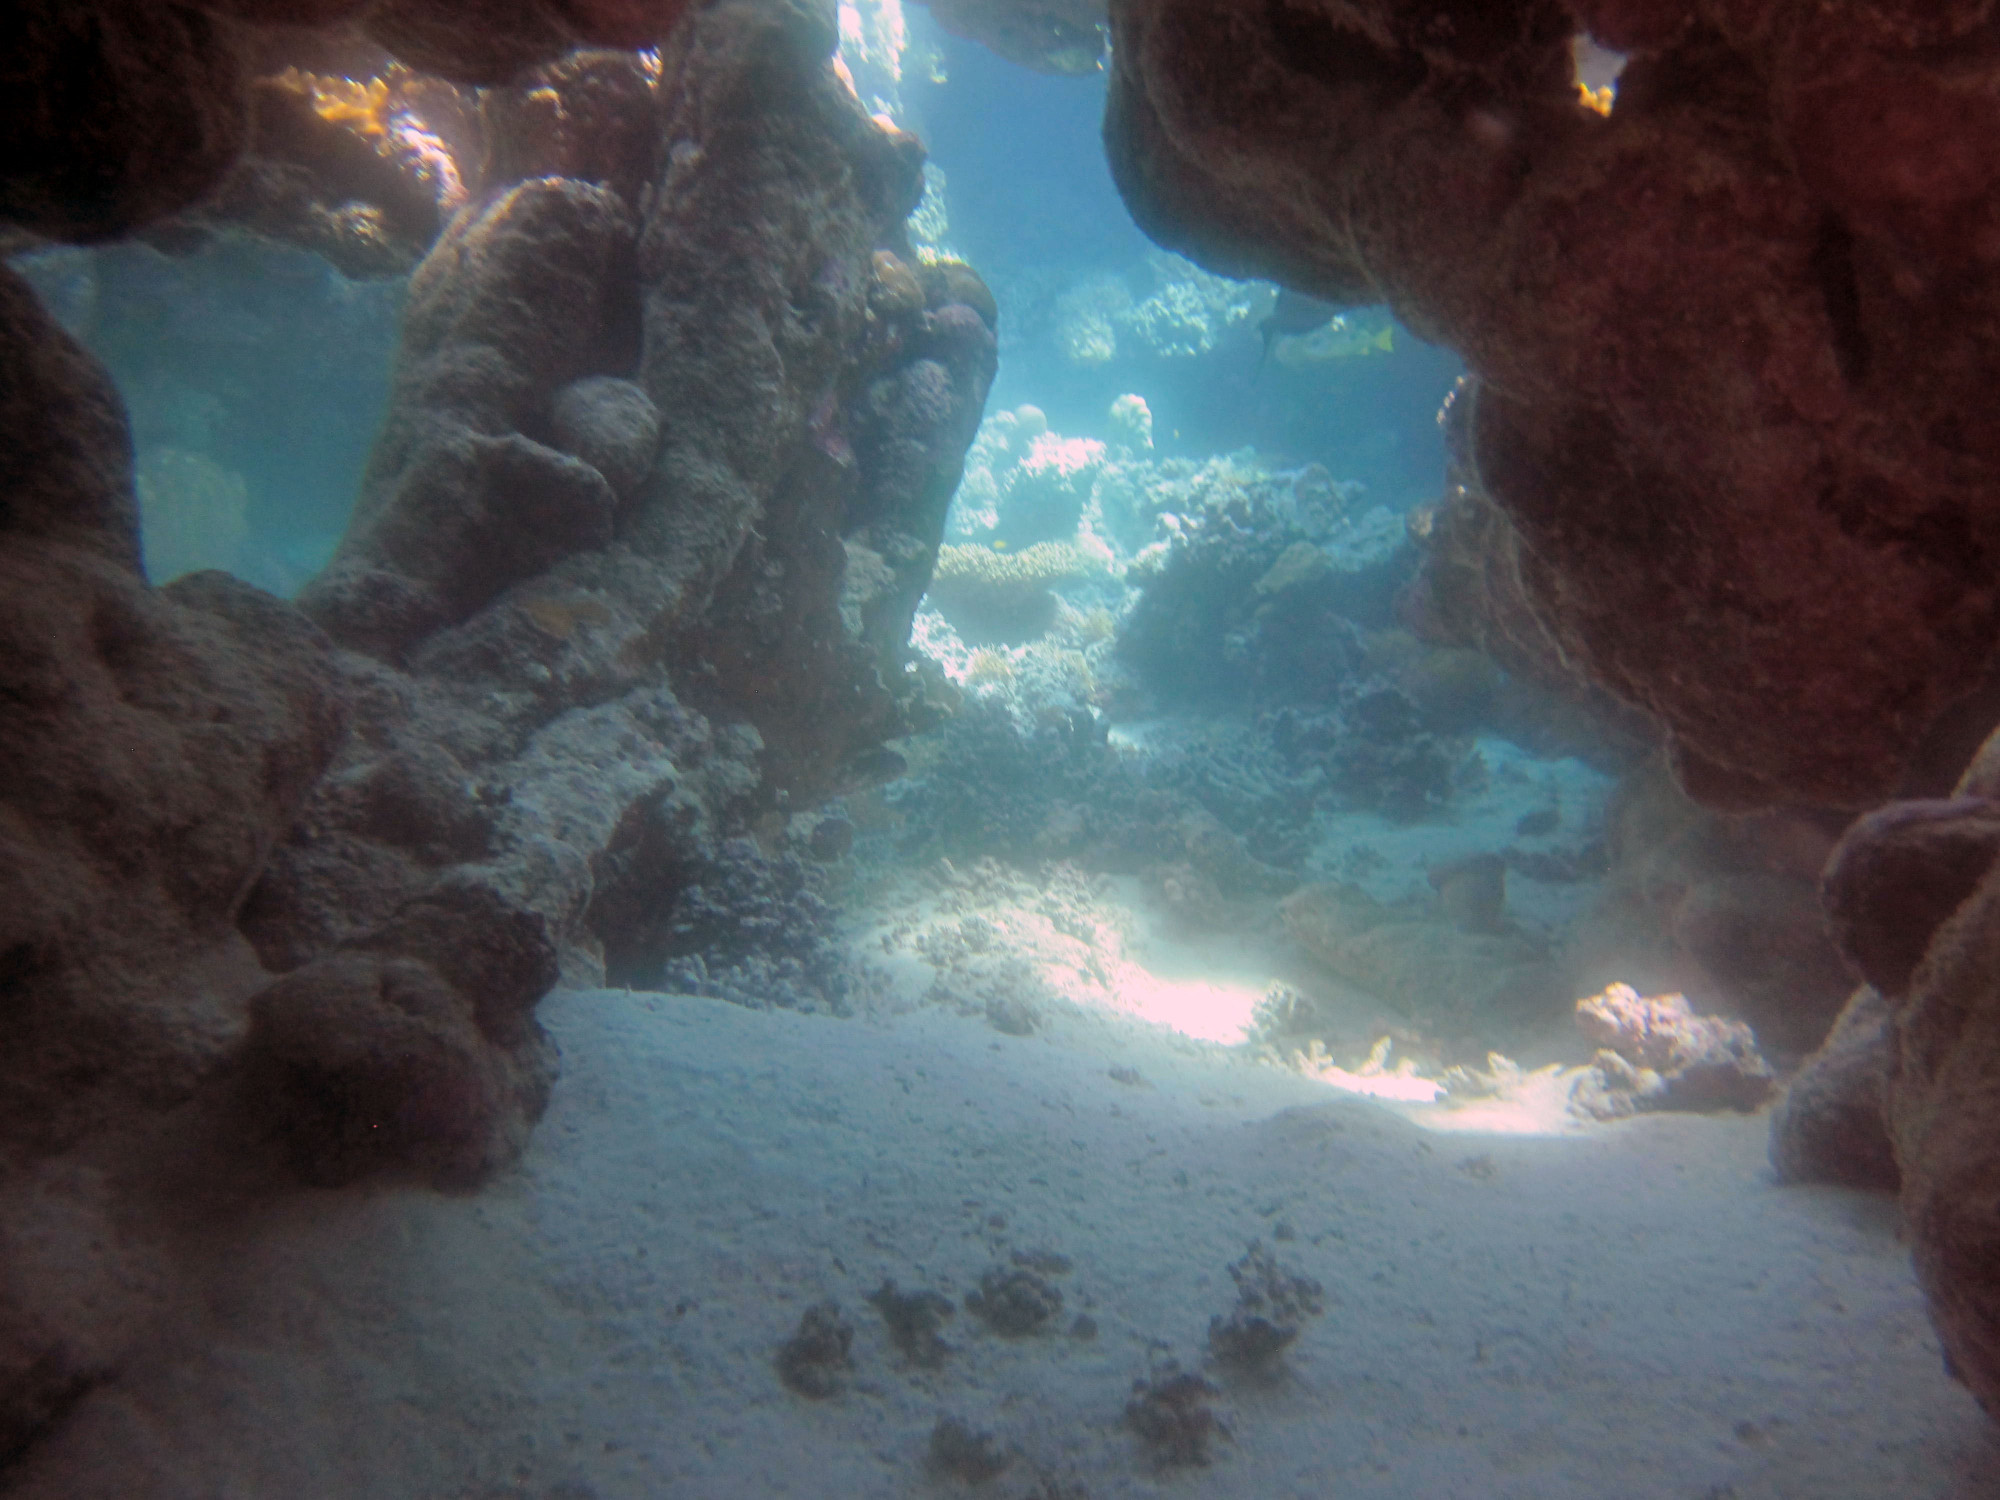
(157, 744)
(1832, 1124)
(1728, 334)
(113, 115)
(494, 41)
(1897, 877)
(1944, 1116)
(65, 478)
(414, 1048)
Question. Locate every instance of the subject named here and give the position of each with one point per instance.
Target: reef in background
(1732, 335)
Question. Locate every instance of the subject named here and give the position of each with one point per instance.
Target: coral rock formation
(1916, 905)
(1727, 335)
(633, 570)
(1832, 1125)
(1658, 1054)
(156, 746)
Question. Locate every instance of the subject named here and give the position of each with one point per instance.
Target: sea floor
(1614, 1313)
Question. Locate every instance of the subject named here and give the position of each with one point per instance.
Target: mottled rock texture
(1832, 1124)
(636, 440)
(1729, 338)
(1944, 1116)
(632, 573)
(1656, 1053)
(1912, 895)
(154, 746)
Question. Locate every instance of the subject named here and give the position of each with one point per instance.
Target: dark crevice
(1311, 44)
(1833, 270)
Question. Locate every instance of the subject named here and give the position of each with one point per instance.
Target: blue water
(273, 367)
(1033, 206)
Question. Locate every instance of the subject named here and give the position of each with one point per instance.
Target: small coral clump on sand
(1272, 1305)
(811, 1360)
(1014, 1302)
(1170, 1413)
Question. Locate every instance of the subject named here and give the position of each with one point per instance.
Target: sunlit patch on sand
(1205, 1009)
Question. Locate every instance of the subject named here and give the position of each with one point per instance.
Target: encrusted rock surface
(1728, 334)
(1944, 1116)
(1656, 1053)
(1832, 1124)
(632, 574)
(156, 745)
(1915, 903)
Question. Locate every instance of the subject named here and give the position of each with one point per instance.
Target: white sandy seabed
(1622, 1313)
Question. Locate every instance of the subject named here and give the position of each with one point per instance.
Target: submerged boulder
(1832, 1124)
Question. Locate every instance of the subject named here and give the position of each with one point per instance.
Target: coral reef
(631, 575)
(1060, 791)
(994, 597)
(744, 927)
(1229, 608)
(1656, 1053)
(1186, 314)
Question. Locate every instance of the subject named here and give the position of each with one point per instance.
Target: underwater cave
(1060, 747)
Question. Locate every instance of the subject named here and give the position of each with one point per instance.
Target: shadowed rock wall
(675, 423)
(1730, 339)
